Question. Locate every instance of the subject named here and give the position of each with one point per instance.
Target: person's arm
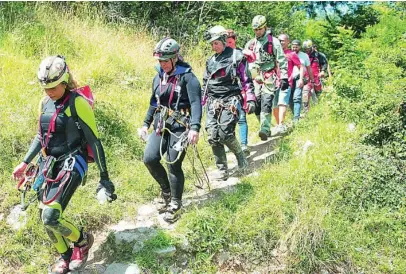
(296, 62)
(247, 85)
(87, 123)
(282, 62)
(33, 150)
(153, 104)
(195, 94)
(246, 80)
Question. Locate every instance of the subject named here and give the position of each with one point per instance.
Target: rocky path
(147, 222)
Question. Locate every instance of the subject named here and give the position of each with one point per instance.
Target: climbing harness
(70, 161)
(217, 106)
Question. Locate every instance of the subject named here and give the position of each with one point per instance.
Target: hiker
(267, 54)
(296, 97)
(61, 142)
(325, 66)
(281, 100)
(242, 121)
(226, 83)
(175, 111)
(315, 86)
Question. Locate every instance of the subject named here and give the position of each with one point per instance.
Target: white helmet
(216, 33)
(53, 71)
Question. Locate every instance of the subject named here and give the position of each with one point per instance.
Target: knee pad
(50, 216)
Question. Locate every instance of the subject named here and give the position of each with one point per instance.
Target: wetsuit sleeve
(246, 79)
(153, 104)
(280, 58)
(36, 143)
(205, 77)
(87, 123)
(194, 93)
(34, 149)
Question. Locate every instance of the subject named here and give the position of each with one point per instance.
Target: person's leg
(213, 138)
(283, 103)
(305, 97)
(266, 110)
(297, 102)
(275, 107)
(152, 157)
(61, 230)
(242, 123)
(227, 136)
(176, 177)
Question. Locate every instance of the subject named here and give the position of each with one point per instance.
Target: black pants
(220, 124)
(174, 180)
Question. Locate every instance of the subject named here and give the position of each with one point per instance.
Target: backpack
(86, 93)
(268, 46)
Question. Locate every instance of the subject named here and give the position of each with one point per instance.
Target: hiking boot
(280, 130)
(166, 199)
(246, 150)
(173, 212)
(61, 266)
(263, 135)
(81, 252)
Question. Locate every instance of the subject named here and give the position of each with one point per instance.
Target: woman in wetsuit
(61, 142)
(175, 110)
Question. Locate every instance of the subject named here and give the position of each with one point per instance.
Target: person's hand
(300, 83)
(251, 107)
(193, 137)
(322, 74)
(284, 84)
(105, 191)
(18, 171)
(249, 54)
(143, 133)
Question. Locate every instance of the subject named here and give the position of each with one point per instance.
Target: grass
(296, 202)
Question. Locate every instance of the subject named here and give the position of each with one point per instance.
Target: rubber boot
(235, 147)
(221, 160)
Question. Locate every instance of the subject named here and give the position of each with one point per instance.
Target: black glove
(284, 84)
(251, 107)
(108, 186)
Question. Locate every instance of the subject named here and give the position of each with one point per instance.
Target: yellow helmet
(53, 71)
(259, 22)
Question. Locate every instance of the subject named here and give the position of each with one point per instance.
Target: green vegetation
(339, 207)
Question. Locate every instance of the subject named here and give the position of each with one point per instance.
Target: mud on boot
(245, 150)
(61, 266)
(164, 202)
(173, 212)
(263, 135)
(221, 161)
(81, 251)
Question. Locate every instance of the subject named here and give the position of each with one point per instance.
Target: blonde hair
(72, 83)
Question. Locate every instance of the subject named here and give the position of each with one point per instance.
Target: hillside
(337, 206)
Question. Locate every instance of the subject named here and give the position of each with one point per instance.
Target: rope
(198, 181)
(183, 135)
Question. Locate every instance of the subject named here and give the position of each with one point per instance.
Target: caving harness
(166, 119)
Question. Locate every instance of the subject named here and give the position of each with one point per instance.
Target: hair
(72, 83)
(287, 36)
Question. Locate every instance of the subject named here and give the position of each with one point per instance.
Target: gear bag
(86, 93)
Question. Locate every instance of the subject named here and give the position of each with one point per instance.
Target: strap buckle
(69, 163)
